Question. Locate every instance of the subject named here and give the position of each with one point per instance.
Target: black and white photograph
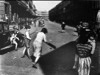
(49, 37)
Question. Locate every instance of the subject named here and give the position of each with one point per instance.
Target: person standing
(27, 39)
(84, 49)
(63, 26)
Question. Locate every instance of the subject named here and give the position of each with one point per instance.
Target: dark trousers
(63, 26)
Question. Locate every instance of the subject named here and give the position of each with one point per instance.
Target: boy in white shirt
(37, 44)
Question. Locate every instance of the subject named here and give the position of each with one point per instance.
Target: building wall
(74, 12)
(2, 10)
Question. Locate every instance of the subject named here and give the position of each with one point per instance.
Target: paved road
(53, 62)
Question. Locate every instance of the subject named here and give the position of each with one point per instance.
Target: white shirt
(41, 37)
(13, 37)
(27, 34)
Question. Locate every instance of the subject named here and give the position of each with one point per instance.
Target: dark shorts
(27, 42)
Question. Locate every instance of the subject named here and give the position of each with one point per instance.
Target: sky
(45, 5)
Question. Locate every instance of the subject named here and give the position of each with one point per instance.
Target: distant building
(42, 13)
(5, 10)
(2, 10)
(74, 11)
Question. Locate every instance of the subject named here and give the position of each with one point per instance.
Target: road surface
(52, 62)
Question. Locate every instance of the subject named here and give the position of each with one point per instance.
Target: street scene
(42, 43)
(53, 62)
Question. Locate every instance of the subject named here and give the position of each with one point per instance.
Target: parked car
(5, 43)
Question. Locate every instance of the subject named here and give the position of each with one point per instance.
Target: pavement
(52, 62)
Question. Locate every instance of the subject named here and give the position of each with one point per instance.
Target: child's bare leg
(16, 45)
(37, 56)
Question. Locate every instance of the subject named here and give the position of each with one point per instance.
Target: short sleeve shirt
(83, 50)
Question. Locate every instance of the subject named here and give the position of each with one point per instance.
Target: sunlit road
(52, 62)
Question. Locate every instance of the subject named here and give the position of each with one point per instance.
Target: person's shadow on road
(61, 60)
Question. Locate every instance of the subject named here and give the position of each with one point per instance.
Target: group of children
(85, 47)
(36, 45)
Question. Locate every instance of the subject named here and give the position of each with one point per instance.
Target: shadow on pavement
(61, 60)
